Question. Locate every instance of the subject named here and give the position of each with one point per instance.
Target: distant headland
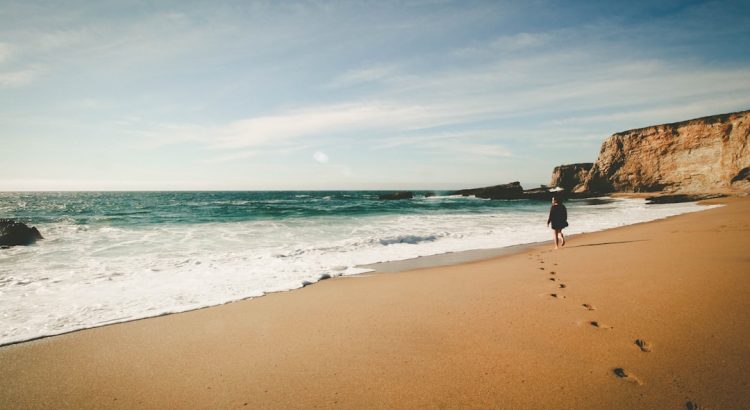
(687, 160)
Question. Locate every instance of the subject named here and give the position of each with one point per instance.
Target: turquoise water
(144, 208)
(114, 256)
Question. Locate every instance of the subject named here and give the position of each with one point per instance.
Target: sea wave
(99, 272)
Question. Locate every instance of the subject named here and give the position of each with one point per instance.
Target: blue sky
(128, 95)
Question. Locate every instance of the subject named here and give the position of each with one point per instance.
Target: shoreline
(480, 255)
(421, 262)
(480, 334)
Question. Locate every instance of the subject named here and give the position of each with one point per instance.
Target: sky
(316, 95)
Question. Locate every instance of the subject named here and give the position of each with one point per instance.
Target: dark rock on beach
(673, 199)
(397, 195)
(14, 233)
(597, 201)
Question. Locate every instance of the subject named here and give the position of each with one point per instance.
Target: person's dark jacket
(558, 216)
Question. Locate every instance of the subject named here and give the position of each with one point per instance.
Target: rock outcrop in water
(703, 155)
(397, 196)
(513, 190)
(572, 177)
(14, 233)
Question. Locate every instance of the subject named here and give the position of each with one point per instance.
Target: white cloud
(320, 157)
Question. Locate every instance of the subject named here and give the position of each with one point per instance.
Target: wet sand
(654, 315)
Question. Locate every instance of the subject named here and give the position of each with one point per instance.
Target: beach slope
(654, 315)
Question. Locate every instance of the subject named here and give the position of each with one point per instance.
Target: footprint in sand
(555, 295)
(643, 345)
(691, 405)
(541, 268)
(622, 374)
(599, 325)
(588, 307)
(562, 286)
(552, 279)
(553, 273)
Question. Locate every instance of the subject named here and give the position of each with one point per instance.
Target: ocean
(110, 257)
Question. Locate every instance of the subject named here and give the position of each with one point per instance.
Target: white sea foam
(84, 276)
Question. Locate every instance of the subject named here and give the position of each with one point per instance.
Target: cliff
(572, 177)
(709, 154)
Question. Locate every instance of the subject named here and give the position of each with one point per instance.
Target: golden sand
(649, 316)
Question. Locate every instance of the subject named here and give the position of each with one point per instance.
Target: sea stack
(571, 177)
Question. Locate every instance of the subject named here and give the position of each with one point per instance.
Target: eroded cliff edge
(702, 155)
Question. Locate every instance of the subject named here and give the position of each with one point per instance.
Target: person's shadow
(607, 243)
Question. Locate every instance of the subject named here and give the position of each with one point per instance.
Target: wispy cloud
(474, 143)
(364, 75)
(608, 88)
(525, 42)
(520, 41)
(238, 84)
(294, 124)
(15, 79)
(474, 150)
(5, 52)
(234, 156)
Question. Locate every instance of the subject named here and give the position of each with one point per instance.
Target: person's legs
(554, 235)
(562, 238)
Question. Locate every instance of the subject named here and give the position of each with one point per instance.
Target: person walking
(558, 218)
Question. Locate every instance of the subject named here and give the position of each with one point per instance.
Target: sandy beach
(536, 329)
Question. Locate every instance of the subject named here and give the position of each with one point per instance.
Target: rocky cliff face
(572, 177)
(709, 154)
